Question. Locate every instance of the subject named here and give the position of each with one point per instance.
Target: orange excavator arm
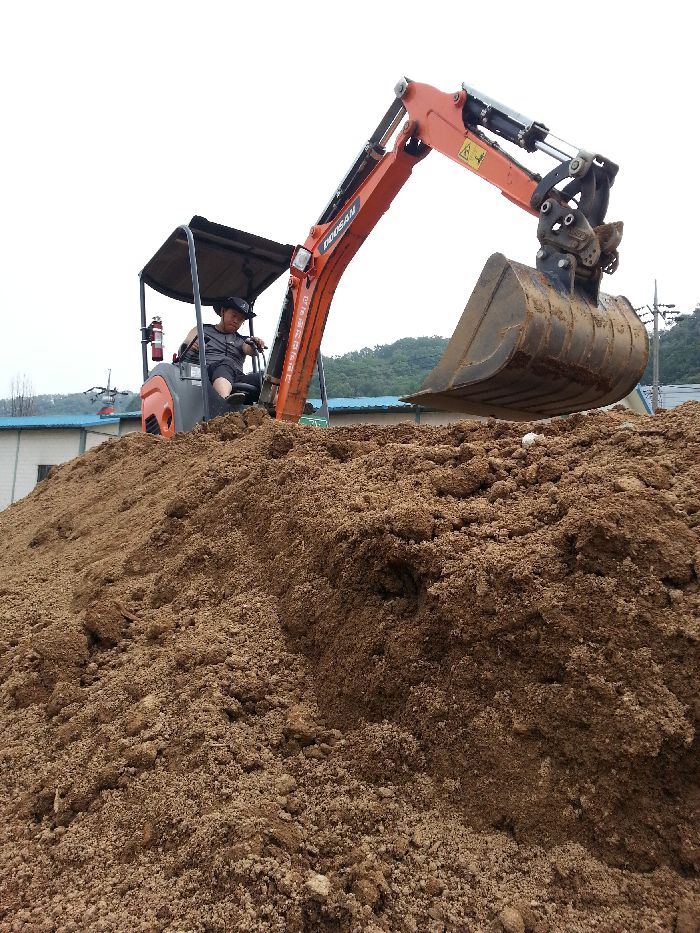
(426, 119)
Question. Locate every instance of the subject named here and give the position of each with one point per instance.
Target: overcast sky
(122, 121)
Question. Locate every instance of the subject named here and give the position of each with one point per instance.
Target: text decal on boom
(340, 227)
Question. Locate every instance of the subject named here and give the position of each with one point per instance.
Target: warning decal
(472, 154)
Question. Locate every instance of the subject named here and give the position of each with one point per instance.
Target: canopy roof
(229, 262)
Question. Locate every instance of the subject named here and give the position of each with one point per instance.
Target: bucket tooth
(524, 349)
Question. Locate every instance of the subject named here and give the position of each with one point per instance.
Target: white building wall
(96, 436)
(129, 426)
(8, 449)
(22, 451)
(339, 418)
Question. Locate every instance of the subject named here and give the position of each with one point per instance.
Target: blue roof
(29, 422)
(380, 403)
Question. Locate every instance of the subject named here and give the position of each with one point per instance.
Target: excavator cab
(200, 263)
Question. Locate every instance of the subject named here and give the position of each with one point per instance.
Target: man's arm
(192, 334)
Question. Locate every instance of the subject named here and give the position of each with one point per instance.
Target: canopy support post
(200, 326)
(144, 330)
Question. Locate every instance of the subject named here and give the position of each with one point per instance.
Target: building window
(43, 471)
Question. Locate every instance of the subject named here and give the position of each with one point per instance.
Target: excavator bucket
(525, 349)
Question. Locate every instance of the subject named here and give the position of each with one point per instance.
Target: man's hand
(257, 342)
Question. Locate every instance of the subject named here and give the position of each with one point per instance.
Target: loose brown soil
(265, 677)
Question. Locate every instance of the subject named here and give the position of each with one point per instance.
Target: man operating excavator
(226, 349)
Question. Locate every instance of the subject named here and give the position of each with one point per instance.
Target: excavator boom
(532, 342)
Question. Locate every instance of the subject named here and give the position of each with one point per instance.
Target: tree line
(25, 403)
(390, 369)
(679, 353)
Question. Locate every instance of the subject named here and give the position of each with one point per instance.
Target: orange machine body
(157, 408)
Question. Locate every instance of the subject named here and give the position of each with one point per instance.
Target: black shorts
(226, 369)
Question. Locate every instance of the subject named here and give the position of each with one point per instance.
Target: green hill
(391, 369)
(679, 353)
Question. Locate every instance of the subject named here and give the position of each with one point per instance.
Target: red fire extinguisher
(155, 331)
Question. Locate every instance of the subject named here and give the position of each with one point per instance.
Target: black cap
(236, 304)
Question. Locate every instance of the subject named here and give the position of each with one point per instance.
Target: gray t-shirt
(219, 347)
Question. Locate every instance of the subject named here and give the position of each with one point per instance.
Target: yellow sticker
(472, 154)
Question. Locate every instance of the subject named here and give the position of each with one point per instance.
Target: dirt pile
(264, 677)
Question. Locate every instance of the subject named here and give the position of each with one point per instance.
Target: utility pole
(655, 358)
(655, 311)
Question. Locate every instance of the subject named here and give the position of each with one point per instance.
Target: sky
(122, 121)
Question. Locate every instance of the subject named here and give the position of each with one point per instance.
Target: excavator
(532, 343)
